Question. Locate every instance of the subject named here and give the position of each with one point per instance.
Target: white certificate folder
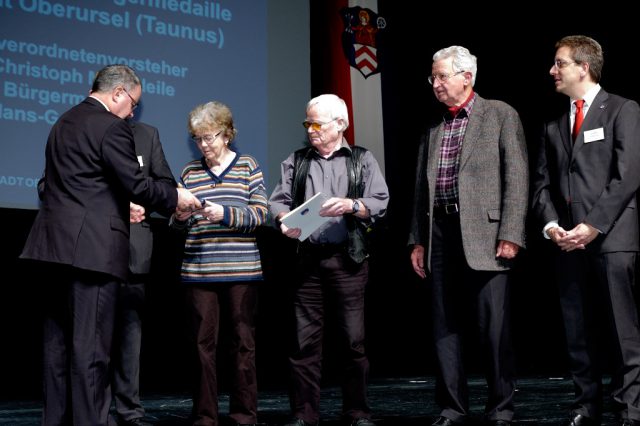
(306, 216)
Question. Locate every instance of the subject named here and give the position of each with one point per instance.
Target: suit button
(572, 169)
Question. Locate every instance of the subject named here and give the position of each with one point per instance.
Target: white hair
(336, 107)
(463, 60)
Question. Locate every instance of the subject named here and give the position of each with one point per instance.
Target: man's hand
(417, 260)
(336, 207)
(577, 238)
(557, 235)
(289, 232)
(182, 215)
(507, 249)
(186, 201)
(136, 213)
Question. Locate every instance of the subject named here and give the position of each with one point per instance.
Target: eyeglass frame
(442, 78)
(199, 139)
(134, 104)
(560, 64)
(316, 126)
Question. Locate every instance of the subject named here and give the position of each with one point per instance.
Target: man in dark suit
(128, 326)
(131, 295)
(468, 225)
(584, 193)
(81, 233)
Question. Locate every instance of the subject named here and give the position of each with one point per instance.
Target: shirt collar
(343, 145)
(467, 106)
(103, 104)
(588, 97)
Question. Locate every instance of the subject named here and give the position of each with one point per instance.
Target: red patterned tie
(578, 119)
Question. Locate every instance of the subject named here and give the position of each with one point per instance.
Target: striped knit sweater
(225, 251)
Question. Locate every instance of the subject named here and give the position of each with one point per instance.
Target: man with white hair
(332, 262)
(468, 226)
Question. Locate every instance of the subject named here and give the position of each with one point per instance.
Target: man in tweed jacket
(468, 226)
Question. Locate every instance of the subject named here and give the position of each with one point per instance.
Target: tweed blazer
(493, 181)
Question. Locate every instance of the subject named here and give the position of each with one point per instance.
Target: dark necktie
(577, 123)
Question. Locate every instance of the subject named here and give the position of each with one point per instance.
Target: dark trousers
(601, 321)
(462, 296)
(206, 304)
(126, 349)
(333, 286)
(78, 327)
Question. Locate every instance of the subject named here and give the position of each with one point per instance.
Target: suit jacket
(492, 184)
(595, 181)
(152, 163)
(91, 175)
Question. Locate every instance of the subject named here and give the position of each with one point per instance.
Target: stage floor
(394, 401)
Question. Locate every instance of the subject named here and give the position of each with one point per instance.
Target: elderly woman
(221, 262)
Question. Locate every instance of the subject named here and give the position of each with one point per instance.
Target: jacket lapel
(471, 135)
(433, 158)
(476, 120)
(565, 135)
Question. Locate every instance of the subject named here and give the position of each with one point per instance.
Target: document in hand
(306, 216)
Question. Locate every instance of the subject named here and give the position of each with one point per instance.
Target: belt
(446, 209)
(321, 250)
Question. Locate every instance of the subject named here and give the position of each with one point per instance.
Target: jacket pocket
(493, 215)
(117, 224)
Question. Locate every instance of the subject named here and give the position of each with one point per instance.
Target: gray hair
(336, 107)
(210, 116)
(112, 76)
(463, 60)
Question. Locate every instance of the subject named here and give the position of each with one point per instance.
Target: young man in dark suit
(585, 185)
(81, 233)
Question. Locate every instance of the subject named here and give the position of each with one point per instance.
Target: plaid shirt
(449, 163)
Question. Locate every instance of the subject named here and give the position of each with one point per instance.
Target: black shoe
(362, 422)
(443, 421)
(138, 421)
(299, 422)
(581, 420)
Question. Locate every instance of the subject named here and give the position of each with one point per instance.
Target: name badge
(594, 135)
(142, 162)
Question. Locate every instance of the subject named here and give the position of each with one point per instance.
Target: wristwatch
(356, 206)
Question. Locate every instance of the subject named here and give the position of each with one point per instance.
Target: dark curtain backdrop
(515, 51)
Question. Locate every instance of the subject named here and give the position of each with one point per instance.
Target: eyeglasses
(316, 125)
(208, 139)
(134, 104)
(559, 63)
(442, 78)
